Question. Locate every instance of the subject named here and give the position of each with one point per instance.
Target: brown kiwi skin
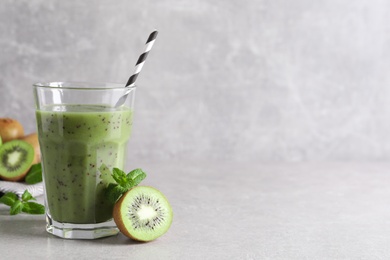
(118, 218)
(10, 129)
(16, 178)
(20, 177)
(33, 140)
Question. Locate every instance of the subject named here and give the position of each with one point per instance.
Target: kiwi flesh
(143, 213)
(16, 158)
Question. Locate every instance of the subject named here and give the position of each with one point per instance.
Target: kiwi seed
(143, 213)
(16, 158)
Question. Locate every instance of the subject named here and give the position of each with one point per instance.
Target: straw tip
(152, 36)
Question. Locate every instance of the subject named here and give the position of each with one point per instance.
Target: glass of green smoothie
(80, 129)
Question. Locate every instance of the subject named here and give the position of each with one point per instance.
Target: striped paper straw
(138, 67)
(141, 60)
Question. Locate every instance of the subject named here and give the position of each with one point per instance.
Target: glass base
(81, 231)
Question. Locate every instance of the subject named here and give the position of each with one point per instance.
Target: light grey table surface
(240, 211)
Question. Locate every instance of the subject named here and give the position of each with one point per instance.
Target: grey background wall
(270, 80)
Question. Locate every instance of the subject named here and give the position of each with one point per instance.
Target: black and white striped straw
(141, 60)
(138, 67)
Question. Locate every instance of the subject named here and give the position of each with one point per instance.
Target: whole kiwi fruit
(10, 129)
(33, 140)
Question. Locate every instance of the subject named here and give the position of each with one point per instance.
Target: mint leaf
(119, 176)
(33, 208)
(17, 205)
(134, 178)
(124, 182)
(27, 196)
(16, 208)
(34, 175)
(114, 192)
(128, 185)
(141, 175)
(134, 173)
(9, 198)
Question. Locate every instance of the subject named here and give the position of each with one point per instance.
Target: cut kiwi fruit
(143, 213)
(16, 158)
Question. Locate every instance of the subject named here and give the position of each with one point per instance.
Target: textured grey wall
(227, 80)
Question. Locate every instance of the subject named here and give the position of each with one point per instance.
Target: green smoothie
(75, 141)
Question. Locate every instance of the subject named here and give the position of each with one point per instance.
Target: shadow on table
(119, 239)
(23, 227)
(34, 226)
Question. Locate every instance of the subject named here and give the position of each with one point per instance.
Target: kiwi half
(143, 213)
(16, 158)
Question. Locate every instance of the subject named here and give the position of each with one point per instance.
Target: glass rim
(81, 85)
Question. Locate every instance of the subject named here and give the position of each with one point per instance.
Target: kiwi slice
(16, 158)
(143, 213)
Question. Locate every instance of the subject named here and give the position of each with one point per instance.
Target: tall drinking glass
(79, 131)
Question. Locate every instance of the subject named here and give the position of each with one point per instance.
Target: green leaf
(134, 173)
(114, 192)
(128, 185)
(27, 196)
(124, 182)
(134, 178)
(137, 180)
(16, 208)
(33, 208)
(119, 176)
(34, 175)
(9, 199)
(18, 205)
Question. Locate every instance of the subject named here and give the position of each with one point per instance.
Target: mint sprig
(22, 205)
(124, 182)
